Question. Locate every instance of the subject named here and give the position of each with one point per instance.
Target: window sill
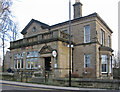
(86, 42)
(104, 72)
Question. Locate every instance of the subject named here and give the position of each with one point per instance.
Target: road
(17, 88)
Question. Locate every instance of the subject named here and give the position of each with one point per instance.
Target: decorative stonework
(46, 49)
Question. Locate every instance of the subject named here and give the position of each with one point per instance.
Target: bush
(88, 72)
(73, 75)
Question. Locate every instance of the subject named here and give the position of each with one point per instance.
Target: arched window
(34, 29)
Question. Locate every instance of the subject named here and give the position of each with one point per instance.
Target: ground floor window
(31, 60)
(87, 61)
(18, 61)
(104, 63)
(32, 63)
(110, 64)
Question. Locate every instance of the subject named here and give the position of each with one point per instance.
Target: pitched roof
(63, 23)
(43, 25)
(81, 18)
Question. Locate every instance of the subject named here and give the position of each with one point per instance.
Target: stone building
(91, 52)
(7, 63)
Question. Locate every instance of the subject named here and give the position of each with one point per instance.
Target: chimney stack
(77, 9)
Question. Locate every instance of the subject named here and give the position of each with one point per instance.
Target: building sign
(39, 66)
(55, 65)
(26, 48)
(54, 53)
(69, 46)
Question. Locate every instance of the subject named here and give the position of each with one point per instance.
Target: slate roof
(43, 25)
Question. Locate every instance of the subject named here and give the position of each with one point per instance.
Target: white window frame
(15, 63)
(102, 37)
(21, 63)
(18, 59)
(30, 59)
(86, 35)
(110, 64)
(87, 60)
(106, 62)
(109, 41)
(34, 63)
(27, 64)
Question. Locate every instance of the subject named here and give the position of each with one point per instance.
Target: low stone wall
(7, 76)
(90, 83)
(37, 80)
(76, 82)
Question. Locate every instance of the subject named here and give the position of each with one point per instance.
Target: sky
(56, 11)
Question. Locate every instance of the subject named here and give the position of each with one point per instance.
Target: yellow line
(41, 89)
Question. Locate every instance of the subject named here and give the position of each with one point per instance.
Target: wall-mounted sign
(54, 53)
(69, 46)
(26, 48)
(55, 65)
(39, 66)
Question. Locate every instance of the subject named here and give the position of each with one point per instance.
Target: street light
(69, 43)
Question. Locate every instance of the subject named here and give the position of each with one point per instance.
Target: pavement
(45, 86)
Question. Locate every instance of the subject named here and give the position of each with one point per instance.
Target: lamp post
(69, 43)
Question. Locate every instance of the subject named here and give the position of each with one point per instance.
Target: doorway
(48, 63)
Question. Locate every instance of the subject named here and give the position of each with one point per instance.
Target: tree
(116, 60)
(8, 28)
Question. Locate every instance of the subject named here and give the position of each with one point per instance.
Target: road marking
(41, 89)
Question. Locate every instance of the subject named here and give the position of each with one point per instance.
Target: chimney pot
(77, 9)
(77, 1)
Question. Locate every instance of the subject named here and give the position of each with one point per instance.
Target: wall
(63, 57)
(39, 30)
(100, 26)
(90, 83)
(78, 57)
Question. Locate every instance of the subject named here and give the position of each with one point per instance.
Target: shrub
(88, 72)
(73, 75)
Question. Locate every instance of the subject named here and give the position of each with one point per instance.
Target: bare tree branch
(8, 28)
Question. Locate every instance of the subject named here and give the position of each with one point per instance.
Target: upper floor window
(28, 54)
(102, 37)
(104, 63)
(34, 29)
(32, 53)
(109, 41)
(87, 34)
(86, 61)
(36, 53)
(65, 31)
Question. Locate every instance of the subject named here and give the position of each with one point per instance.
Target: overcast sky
(56, 11)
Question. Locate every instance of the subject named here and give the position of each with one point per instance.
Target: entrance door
(47, 63)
